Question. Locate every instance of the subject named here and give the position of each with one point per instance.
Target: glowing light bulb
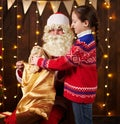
(107, 94)
(19, 16)
(15, 47)
(18, 26)
(1, 7)
(106, 86)
(104, 105)
(109, 113)
(37, 32)
(19, 85)
(108, 46)
(0, 103)
(5, 97)
(108, 29)
(110, 75)
(106, 66)
(106, 39)
(15, 96)
(105, 56)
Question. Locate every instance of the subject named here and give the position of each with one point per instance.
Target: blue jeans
(82, 113)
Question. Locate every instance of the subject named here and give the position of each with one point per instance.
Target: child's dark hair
(88, 12)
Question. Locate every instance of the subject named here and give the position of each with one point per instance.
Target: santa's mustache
(57, 45)
(48, 37)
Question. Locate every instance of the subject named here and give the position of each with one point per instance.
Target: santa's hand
(19, 64)
(34, 60)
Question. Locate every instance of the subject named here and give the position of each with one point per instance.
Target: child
(80, 82)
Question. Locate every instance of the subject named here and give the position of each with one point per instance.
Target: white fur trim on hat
(58, 18)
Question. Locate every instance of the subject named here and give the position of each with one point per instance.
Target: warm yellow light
(5, 97)
(107, 94)
(75, 6)
(19, 37)
(1, 103)
(109, 113)
(101, 105)
(4, 89)
(37, 32)
(110, 75)
(90, 2)
(19, 16)
(2, 69)
(35, 43)
(108, 29)
(15, 47)
(106, 39)
(1, 57)
(14, 66)
(2, 49)
(108, 6)
(18, 26)
(15, 6)
(1, 7)
(106, 86)
(37, 22)
(112, 17)
(108, 46)
(14, 57)
(104, 105)
(93, 32)
(15, 96)
(106, 66)
(105, 56)
(105, 3)
(36, 11)
(1, 38)
(19, 85)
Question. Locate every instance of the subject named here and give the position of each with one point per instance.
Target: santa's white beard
(57, 45)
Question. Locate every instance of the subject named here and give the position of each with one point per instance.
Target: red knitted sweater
(80, 82)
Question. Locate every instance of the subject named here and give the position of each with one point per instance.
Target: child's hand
(34, 60)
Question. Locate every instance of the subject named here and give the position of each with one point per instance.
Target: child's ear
(86, 23)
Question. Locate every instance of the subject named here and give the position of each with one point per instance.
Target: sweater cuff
(40, 62)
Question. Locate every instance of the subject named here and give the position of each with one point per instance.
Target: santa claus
(58, 37)
(57, 40)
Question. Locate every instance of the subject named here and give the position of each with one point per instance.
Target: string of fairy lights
(1, 56)
(109, 75)
(3, 89)
(37, 33)
(106, 57)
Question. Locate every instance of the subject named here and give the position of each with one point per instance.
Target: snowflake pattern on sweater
(82, 53)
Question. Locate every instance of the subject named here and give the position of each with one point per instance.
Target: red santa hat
(58, 18)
